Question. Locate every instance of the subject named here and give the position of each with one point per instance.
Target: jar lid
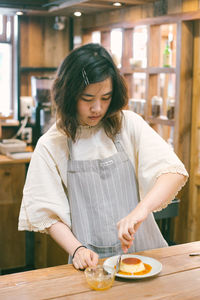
(171, 101)
(156, 100)
(137, 100)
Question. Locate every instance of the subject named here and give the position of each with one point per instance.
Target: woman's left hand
(128, 226)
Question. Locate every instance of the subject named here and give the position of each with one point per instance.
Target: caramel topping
(131, 261)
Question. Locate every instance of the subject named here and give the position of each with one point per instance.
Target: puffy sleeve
(153, 156)
(44, 196)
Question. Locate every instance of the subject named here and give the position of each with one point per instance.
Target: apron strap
(69, 143)
(117, 143)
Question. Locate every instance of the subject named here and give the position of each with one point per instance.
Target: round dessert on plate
(131, 265)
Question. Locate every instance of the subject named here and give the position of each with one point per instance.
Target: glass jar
(170, 108)
(156, 106)
(137, 105)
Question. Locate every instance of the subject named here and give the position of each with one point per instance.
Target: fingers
(85, 258)
(126, 232)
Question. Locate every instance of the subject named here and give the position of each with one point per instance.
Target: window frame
(4, 39)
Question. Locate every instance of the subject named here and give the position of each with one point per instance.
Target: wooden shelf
(160, 121)
(133, 70)
(158, 70)
(150, 70)
(38, 69)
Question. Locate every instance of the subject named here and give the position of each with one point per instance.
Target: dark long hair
(93, 63)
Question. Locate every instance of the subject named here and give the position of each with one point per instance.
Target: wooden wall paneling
(12, 242)
(24, 84)
(47, 252)
(56, 43)
(115, 16)
(147, 10)
(36, 41)
(174, 7)
(194, 193)
(24, 41)
(55, 254)
(40, 250)
(190, 5)
(105, 39)
(40, 44)
(31, 42)
(182, 134)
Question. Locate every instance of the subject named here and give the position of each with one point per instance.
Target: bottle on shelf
(167, 55)
(137, 105)
(156, 106)
(170, 108)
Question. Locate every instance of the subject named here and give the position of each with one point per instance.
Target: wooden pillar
(105, 39)
(183, 117)
(194, 187)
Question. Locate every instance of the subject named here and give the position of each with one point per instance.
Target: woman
(98, 174)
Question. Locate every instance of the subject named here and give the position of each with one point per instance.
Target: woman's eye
(106, 98)
(86, 100)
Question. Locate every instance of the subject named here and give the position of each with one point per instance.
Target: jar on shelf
(170, 108)
(137, 105)
(156, 106)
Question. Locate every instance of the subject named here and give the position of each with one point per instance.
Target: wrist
(75, 251)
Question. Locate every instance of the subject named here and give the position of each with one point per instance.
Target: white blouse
(45, 192)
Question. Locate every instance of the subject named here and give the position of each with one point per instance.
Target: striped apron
(101, 192)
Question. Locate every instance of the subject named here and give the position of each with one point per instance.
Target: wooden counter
(12, 242)
(179, 279)
(6, 160)
(21, 250)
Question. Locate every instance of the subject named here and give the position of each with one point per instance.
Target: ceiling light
(19, 13)
(77, 13)
(117, 4)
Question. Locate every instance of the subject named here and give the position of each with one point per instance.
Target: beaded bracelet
(77, 249)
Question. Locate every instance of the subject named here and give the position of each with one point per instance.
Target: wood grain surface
(179, 279)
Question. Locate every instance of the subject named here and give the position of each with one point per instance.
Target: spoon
(118, 263)
(194, 254)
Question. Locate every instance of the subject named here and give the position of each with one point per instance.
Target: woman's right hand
(84, 258)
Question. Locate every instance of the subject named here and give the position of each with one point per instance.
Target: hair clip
(85, 78)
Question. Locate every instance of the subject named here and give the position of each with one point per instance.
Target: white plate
(155, 264)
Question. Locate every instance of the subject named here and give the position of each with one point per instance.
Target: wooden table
(179, 279)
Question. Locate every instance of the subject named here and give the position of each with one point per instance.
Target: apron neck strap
(69, 143)
(117, 143)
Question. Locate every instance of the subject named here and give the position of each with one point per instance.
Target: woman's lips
(94, 117)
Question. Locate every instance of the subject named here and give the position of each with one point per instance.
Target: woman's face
(94, 102)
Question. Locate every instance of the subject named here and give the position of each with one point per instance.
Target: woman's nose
(96, 106)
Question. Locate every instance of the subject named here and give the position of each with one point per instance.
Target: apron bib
(101, 192)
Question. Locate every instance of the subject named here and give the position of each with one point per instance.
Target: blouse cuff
(38, 227)
(175, 170)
